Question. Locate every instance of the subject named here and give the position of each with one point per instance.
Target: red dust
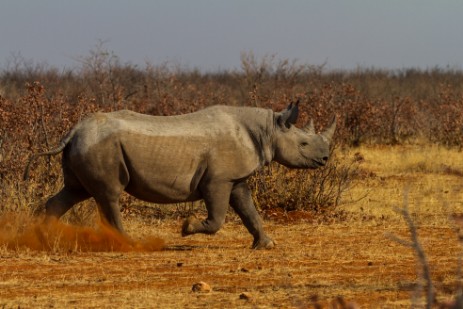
(22, 231)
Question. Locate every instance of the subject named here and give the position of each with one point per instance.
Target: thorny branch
(419, 251)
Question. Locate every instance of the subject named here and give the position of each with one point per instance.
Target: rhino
(205, 155)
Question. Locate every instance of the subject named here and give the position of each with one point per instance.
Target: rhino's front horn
(328, 133)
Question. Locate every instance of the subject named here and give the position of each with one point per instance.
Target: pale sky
(211, 34)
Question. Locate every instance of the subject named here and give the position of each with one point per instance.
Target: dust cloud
(19, 231)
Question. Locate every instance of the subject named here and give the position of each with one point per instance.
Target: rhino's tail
(52, 152)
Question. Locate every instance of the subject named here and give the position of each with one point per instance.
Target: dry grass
(349, 255)
(431, 174)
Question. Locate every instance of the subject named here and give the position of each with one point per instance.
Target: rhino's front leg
(241, 201)
(216, 197)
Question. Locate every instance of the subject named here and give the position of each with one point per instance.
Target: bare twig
(44, 127)
(419, 251)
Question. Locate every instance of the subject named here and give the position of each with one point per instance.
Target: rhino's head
(300, 148)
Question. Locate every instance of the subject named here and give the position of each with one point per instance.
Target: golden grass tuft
(432, 176)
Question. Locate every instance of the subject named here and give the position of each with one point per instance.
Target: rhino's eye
(304, 144)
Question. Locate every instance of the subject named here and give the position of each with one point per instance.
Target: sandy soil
(312, 263)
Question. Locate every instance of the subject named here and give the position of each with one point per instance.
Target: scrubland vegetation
(400, 134)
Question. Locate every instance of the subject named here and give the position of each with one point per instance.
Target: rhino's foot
(189, 226)
(263, 243)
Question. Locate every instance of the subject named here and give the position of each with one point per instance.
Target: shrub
(319, 190)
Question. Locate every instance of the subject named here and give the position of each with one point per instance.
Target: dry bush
(445, 120)
(32, 124)
(318, 191)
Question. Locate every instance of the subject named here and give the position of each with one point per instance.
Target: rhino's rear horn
(309, 127)
(329, 131)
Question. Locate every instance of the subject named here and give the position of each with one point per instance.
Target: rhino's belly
(161, 169)
(168, 190)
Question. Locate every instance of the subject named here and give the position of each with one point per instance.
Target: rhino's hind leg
(241, 202)
(61, 202)
(216, 198)
(109, 209)
(105, 177)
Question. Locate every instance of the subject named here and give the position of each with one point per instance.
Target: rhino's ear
(328, 133)
(289, 116)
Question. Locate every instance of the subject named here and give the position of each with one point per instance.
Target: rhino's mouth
(318, 163)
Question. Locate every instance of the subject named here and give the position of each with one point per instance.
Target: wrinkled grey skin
(206, 155)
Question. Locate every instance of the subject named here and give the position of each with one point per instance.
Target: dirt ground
(351, 259)
(312, 263)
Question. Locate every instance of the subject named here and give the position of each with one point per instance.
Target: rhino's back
(216, 124)
(212, 134)
(212, 129)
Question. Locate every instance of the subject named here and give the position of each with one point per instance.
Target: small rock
(245, 295)
(201, 287)
(358, 157)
